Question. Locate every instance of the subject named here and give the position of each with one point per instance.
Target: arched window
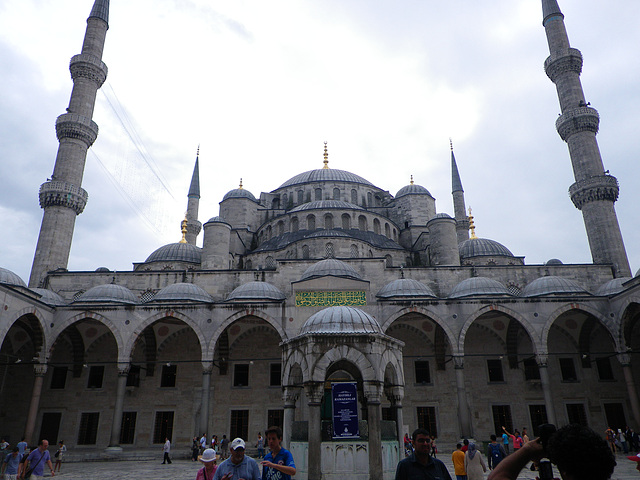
(353, 251)
(269, 232)
(376, 226)
(300, 197)
(362, 223)
(378, 201)
(369, 199)
(336, 194)
(305, 251)
(395, 235)
(328, 251)
(270, 263)
(387, 230)
(388, 261)
(280, 227)
(318, 193)
(311, 222)
(275, 204)
(285, 200)
(346, 221)
(248, 265)
(354, 196)
(294, 224)
(328, 221)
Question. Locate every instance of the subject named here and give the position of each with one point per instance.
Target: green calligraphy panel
(330, 299)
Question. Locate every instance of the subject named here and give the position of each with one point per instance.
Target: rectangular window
(241, 376)
(128, 428)
(133, 377)
(59, 377)
(495, 370)
(568, 370)
(163, 427)
(423, 375)
(531, 370)
(168, 378)
(275, 374)
(88, 431)
(275, 418)
(387, 414)
(577, 414)
(96, 374)
(605, 372)
(502, 418)
(50, 425)
(427, 419)
(538, 414)
(615, 415)
(239, 424)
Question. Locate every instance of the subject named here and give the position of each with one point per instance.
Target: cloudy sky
(261, 85)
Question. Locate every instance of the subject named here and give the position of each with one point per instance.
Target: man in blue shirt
(238, 466)
(10, 464)
(37, 459)
(278, 463)
(420, 464)
(22, 446)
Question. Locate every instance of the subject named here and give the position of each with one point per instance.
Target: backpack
(496, 454)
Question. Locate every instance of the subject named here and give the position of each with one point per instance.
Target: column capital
(314, 392)
(123, 369)
(542, 359)
(458, 361)
(624, 359)
(207, 367)
(40, 369)
(290, 396)
(395, 395)
(373, 391)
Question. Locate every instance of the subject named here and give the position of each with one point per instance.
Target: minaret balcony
(63, 194)
(72, 125)
(561, 62)
(581, 119)
(88, 66)
(596, 188)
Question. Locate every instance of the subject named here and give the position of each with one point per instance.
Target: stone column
(116, 423)
(289, 396)
(314, 392)
(40, 371)
(207, 369)
(395, 396)
(541, 360)
(373, 393)
(464, 415)
(625, 361)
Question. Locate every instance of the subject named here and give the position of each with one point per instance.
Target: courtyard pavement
(186, 469)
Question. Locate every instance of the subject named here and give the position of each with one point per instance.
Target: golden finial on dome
(326, 156)
(184, 230)
(472, 226)
(240, 187)
(411, 182)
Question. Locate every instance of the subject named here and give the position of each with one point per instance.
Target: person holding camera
(578, 452)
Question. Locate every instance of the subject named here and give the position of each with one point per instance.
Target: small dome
(217, 219)
(102, 269)
(443, 215)
(330, 267)
(480, 247)
(325, 205)
(176, 252)
(257, 291)
(405, 287)
(551, 285)
(341, 320)
(7, 277)
(325, 175)
(553, 261)
(478, 286)
(612, 287)
(181, 291)
(412, 189)
(239, 193)
(49, 297)
(108, 293)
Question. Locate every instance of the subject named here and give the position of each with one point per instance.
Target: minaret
(594, 191)
(62, 197)
(459, 209)
(193, 225)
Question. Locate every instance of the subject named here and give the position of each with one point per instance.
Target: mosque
(326, 279)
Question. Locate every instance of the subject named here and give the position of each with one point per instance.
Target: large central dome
(325, 175)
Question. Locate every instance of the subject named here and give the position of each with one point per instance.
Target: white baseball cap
(237, 443)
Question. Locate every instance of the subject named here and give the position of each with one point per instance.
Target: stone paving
(185, 469)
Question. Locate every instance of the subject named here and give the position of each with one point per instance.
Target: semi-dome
(553, 261)
(177, 292)
(478, 286)
(552, 285)
(7, 277)
(49, 297)
(108, 293)
(443, 215)
(102, 270)
(325, 205)
(480, 247)
(176, 252)
(612, 287)
(217, 219)
(341, 320)
(412, 189)
(405, 287)
(325, 175)
(239, 193)
(330, 267)
(257, 291)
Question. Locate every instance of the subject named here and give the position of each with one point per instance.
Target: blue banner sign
(345, 410)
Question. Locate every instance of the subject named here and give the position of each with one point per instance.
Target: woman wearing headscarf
(474, 463)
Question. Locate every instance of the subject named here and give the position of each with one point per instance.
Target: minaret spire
(62, 197)
(594, 192)
(193, 227)
(462, 221)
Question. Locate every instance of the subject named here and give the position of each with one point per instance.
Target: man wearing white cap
(238, 466)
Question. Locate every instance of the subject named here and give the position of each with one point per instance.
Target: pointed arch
(606, 323)
(295, 359)
(343, 352)
(59, 328)
(36, 323)
(449, 333)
